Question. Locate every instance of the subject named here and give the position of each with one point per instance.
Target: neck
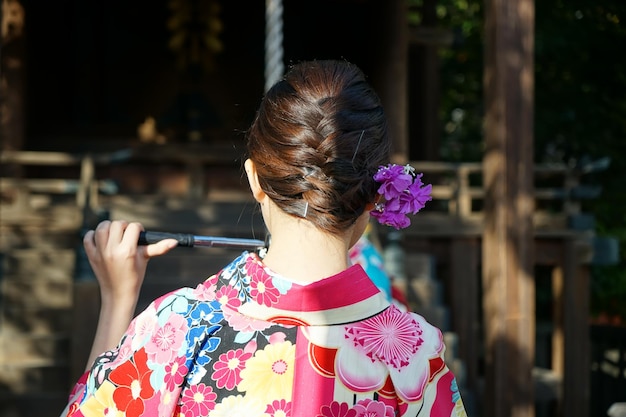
(302, 253)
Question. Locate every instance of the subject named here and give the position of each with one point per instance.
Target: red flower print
(282, 406)
(228, 296)
(391, 337)
(371, 408)
(336, 409)
(228, 367)
(198, 399)
(261, 288)
(175, 373)
(133, 384)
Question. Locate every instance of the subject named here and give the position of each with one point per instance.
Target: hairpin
(358, 144)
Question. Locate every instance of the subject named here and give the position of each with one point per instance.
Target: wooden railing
(86, 187)
(51, 195)
(458, 191)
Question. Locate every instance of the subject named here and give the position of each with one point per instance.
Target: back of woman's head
(318, 138)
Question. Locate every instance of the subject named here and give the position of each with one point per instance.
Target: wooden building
(155, 96)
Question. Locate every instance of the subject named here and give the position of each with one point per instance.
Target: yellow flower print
(268, 376)
(101, 404)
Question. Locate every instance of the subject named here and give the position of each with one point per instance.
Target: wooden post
(558, 344)
(577, 362)
(508, 279)
(464, 199)
(393, 74)
(464, 288)
(428, 90)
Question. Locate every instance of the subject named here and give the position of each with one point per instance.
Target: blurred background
(138, 110)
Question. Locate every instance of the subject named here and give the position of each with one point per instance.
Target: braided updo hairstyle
(318, 138)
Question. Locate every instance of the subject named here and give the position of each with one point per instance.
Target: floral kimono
(249, 342)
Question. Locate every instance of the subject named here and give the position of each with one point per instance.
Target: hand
(117, 261)
(119, 264)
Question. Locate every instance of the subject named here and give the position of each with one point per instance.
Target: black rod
(190, 240)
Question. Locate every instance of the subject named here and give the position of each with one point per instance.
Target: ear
(372, 205)
(253, 180)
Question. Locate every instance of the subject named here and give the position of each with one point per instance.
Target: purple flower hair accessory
(403, 192)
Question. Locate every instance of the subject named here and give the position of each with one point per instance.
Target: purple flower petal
(415, 198)
(403, 192)
(393, 219)
(394, 180)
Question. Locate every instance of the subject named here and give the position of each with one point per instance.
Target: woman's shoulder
(410, 322)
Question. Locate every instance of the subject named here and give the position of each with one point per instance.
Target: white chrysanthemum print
(391, 344)
(389, 337)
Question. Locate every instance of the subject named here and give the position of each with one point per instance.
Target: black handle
(184, 239)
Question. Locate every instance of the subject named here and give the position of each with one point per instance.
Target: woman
(302, 332)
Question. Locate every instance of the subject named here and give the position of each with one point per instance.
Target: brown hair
(318, 138)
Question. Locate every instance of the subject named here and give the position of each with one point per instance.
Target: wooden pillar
(577, 362)
(508, 278)
(12, 70)
(392, 72)
(464, 288)
(558, 344)
(424, 85)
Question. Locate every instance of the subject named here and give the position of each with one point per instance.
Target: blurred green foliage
(580, 105)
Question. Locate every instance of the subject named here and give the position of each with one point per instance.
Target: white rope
(274, 66)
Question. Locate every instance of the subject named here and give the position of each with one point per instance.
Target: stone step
(24, 350)
(35, 315)
(36, 290)
(27, 262)
(16, 321)
(33, 293)
(35, 376)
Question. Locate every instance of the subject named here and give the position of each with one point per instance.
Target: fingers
(115, 231)
(105, 234)
(161, 247)
(130, 237)
(101, 235)
(88, 243)
(111, 234)
(131, 233)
